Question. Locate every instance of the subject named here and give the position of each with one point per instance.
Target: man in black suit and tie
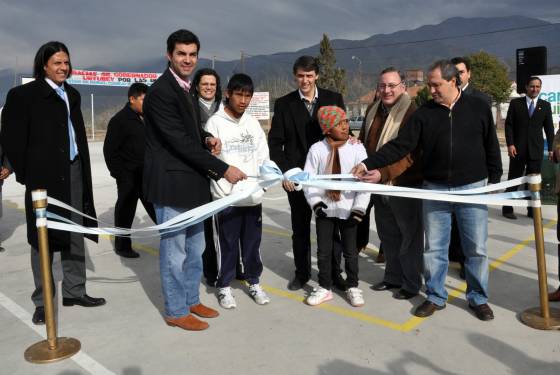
(463, 65)
(526, 119)
(124, 155)
(177, 166)
(293, 130)
(44, 138)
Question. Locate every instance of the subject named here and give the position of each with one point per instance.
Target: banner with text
(550, 92)
(122, 79)
(260, 106)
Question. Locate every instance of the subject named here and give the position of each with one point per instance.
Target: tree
(490, 75)
(422, 96)
(330, 76)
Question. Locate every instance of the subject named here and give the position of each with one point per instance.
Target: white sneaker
(258, 294)
(226, 298)
(355, 297)
(319, 296)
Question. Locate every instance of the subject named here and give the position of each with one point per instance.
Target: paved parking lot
(128, 335)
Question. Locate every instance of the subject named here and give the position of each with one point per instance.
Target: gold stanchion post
(542, 317)
(54, 348)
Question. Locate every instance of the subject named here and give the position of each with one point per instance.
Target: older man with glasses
(398, 220)
(460, 151)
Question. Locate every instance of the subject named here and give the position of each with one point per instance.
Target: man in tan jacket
(398, 220)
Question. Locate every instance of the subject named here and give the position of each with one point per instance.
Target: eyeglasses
(390, 86)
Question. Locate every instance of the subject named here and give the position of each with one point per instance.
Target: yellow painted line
(288, 234)
(277, 232)
(504, 258)
(135, 245)
(349, 313)
(407, 326)
(462, 288)
(410, 324)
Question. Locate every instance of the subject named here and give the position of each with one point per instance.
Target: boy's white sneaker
(355, 297)
(225, 297)
(258, 294)
(318, 296)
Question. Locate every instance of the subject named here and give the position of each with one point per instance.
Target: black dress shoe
(554, 296)
(509, 215)
(404, 294)
(85, 301)
(482, 312)
(462, 271)
(39, 315)
(340, 284)
(296, 284)
(384, 286)
(426, 309)
(127, 253)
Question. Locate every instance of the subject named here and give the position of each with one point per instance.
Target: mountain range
(406, 49)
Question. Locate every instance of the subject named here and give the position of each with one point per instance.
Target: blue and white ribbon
(271, 175)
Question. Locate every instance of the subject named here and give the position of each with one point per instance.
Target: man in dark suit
(44, 138)
(526, 119)
(293, 130)
(177, 168)
(124, 155)
(463, 65)
(5, 171)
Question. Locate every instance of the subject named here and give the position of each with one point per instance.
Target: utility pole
(213, 61)
(92, 120)
(359, 83)
(242, 63)
(16, 73)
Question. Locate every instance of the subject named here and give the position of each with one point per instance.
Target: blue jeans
(472, 220)
(180, 263)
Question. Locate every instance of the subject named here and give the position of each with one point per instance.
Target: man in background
(526, 119)
(124, 155)
(293, 130)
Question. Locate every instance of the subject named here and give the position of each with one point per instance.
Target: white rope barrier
(271, 175)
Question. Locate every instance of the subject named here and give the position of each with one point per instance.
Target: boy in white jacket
(239, 227)
(335, 210)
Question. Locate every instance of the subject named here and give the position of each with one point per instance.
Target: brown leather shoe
(554, 296)
(426, 309)
(188, 322)
(482, 312)
(204, 311)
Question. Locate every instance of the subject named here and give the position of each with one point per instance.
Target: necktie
(71, 139)
(531, 108)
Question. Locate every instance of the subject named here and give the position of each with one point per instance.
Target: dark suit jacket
(3, 163)
(177, 163)
(470, 90)
(35, 139)
(526, 133)
(125, 143)
(293, 130)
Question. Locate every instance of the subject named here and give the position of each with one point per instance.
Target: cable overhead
(446, 38)
(418, 41)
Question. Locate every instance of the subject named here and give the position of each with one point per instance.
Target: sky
(130, 32)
